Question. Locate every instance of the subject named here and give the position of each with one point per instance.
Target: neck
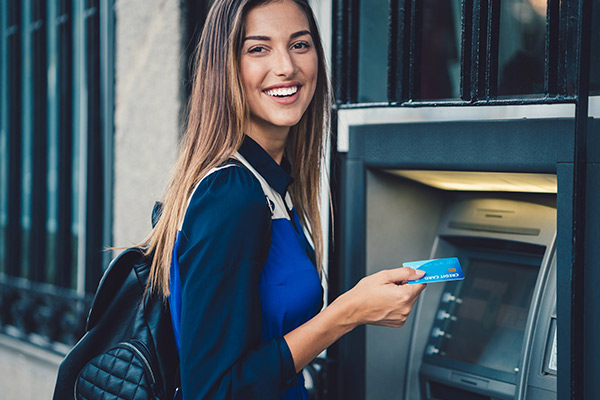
(271, 139)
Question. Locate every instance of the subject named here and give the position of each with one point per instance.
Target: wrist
(346, 312)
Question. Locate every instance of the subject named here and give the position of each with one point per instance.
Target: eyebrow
(267, 38)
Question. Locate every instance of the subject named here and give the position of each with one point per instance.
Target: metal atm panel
(480, 338)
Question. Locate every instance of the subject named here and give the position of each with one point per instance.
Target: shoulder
(229, 192)
(227, 207)
(231, 183)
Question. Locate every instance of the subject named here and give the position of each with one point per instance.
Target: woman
(230, 253)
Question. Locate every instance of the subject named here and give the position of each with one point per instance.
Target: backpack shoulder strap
(276, 203)
(112, 280)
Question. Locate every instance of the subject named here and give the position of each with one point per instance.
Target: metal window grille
(481, 43)
(55, 142)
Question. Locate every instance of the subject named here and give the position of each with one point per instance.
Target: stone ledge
(27, 372)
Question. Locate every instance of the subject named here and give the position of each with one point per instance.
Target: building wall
(148, 100)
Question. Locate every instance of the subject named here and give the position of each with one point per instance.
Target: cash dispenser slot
(469, 380)
(493, 228)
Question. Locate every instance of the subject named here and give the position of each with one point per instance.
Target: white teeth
(282, 91)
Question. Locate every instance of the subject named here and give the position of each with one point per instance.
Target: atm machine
(491, 336)
(485, 192)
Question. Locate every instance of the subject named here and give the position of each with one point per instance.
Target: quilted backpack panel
(123, 372)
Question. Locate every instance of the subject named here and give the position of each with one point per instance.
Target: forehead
(275, 18)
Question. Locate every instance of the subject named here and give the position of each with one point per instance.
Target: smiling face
(278, 68)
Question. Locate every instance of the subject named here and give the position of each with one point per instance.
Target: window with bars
(52, 156)
(595, 49)
(403, 51)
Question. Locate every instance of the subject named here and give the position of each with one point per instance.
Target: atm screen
(491, 316)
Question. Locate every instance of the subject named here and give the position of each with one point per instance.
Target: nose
(284, 64)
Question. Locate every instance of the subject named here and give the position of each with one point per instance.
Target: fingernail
(420, 272)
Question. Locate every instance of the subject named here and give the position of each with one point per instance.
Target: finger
(413, 291)
(419, 287)
(398, 275)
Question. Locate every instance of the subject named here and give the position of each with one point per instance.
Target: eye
(301, 45)
(257, 50)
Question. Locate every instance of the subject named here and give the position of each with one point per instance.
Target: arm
(225, 241)
(383, 298)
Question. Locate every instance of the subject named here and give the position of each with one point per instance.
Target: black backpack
(128, 350)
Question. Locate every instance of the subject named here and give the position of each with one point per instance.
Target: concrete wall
(148, 98)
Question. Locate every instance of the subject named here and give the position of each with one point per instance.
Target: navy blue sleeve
(224, 245)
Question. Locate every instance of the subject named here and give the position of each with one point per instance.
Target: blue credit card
(438, 270)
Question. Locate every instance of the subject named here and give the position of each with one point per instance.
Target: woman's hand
(383, 298)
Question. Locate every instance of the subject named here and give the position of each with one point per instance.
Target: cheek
(249, 74)
(312, 69)
(312, 73)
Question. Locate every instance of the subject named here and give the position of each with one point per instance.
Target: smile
(282, 92)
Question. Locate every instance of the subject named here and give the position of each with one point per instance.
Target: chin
(284, 122)
(288, 124)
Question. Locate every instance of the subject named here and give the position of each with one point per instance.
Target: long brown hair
(215, 131)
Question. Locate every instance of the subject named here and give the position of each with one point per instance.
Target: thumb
(399, 275)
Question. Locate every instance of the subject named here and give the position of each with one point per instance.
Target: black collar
(277, 176)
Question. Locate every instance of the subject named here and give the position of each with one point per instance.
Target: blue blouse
(242, 277)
